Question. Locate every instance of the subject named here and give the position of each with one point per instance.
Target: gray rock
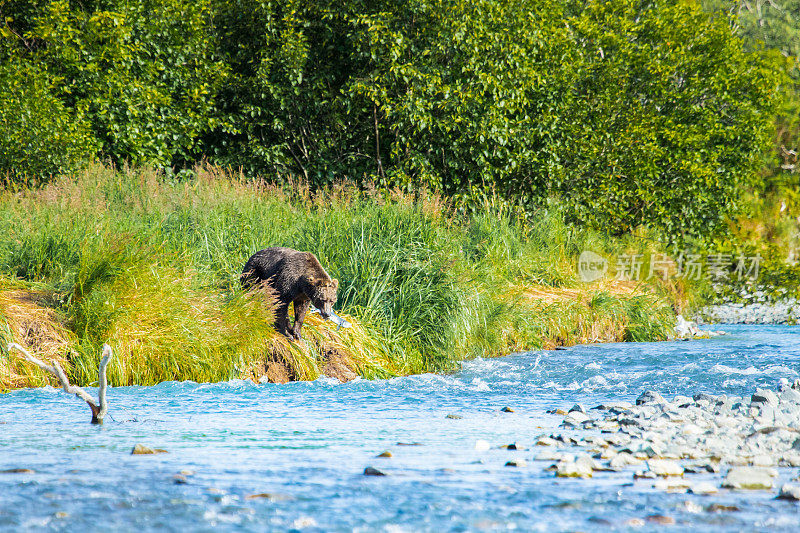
(790, 491)
(764, 396)
(519, 463)
(623, 459)
(789, 396)
(681, 400)
(650, 396)
(703, 397)
(750, 478)
(575, 418)
(577, 408)
(582, 467)
(664, 468)
(370, 471)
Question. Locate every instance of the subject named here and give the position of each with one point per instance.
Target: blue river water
(267, 457)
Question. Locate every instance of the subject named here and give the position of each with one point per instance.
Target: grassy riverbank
(150, 265)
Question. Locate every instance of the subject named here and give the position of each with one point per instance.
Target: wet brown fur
(295, 277)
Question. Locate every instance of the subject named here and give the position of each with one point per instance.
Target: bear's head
(323, 295)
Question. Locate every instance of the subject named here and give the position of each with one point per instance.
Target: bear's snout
(325, 311)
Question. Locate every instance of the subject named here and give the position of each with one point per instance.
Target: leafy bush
(39, 136)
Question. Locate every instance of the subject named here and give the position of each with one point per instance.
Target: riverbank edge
(28, 317)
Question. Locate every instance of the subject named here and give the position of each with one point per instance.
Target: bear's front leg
(282, 319)
(300, 310)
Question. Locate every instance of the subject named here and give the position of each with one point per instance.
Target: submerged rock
(517, 463)
(703, 487)
(370, 471)
(17, 471)
(660, 519)
(385, 454)
(506, 410)
(141, 449)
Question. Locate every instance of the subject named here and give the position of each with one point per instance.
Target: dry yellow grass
(24, 319)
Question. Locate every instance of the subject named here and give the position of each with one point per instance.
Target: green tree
(669, 118)
(143, 73)
(39, 136)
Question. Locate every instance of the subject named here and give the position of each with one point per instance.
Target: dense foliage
(630, 111)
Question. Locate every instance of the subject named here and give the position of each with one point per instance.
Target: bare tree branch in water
(100, 407)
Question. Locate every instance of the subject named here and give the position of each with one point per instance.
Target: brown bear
(296, 277)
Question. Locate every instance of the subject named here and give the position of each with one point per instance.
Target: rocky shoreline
(781, 312)
(737, 443)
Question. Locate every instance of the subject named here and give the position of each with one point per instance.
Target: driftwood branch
(100, 407)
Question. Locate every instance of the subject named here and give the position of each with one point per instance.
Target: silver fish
(336, 319)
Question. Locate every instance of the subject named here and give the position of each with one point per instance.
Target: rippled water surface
(306, 445)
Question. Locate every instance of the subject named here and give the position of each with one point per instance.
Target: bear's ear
(335, 283)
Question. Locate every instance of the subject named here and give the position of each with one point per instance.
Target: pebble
(268, 496)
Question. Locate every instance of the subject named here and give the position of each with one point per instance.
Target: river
(261, 457)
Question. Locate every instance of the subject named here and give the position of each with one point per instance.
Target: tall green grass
(151, 266)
